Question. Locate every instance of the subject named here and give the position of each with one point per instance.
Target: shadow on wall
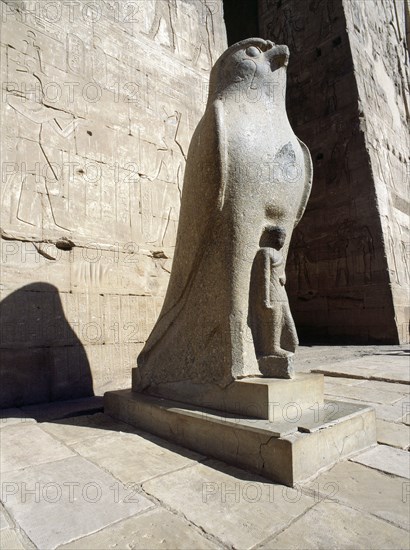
(41, 357)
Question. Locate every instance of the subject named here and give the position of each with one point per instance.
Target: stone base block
(257, 397)
(276, 367)
(290, 450)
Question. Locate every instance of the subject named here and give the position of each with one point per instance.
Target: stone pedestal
(253, 397)
(281, 429)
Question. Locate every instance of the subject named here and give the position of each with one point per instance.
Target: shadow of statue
(41, 357)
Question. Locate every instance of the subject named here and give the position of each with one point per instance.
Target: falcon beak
(278, 56)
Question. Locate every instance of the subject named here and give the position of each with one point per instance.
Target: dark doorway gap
(241, 19)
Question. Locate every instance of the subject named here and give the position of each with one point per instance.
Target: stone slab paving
(79, 428)
(134, 458)
(154, 529)
(310, 357)
(178, 499)
(390, 368)
(238, 508)
(13, 416)
(64, 409)
(3, 521)
(371, 385)
(57, 502)
(361, 393)
(332, 526)
(196, 505)
(331, 380)
(387, 459)
(366, 490)
(395, 435)
(24, 445)
(396, 412)
(9, 540)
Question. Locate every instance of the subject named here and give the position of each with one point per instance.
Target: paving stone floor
(88, 481)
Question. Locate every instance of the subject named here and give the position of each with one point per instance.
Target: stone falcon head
(252, 63)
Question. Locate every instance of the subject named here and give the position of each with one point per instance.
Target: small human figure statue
(273, 329)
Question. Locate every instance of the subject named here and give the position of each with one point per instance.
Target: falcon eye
(253, 51)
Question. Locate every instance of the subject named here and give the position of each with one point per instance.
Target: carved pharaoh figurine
(246, 171)
(273, 329)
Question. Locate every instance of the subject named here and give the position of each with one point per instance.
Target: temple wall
(99, 101)
(345, 101)
(377, 35)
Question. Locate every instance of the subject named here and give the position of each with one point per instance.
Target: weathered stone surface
(361, 393)
(73, 430)
(9, 540)
(310, 357)
(395, 435)
(18, 439)
(3, 521)
(382, 47)
(14, 416)
(154, 529)
(97, 114)
(240, 509)
(247, 182)
(133, 458)
(240, 499)
(371, 368)
(398, 412)
(367, 490)
(335, 527)
(348, 270)
(266, 398)
(74, 488)
(63, 409)
(392, 386)
(330, 380)
(386, 459)
(276, 450)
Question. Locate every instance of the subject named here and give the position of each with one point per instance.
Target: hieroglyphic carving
(33, 50)
(99, 62)
(97, 121)
(75, 54)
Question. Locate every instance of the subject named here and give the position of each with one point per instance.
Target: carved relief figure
(365, 249)
(339, 247)
(203, 37)
(394, 267)
(163, 13)
(273, 328)
(169, 167)
(301, 263)
(323, 9)
(41, 181)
